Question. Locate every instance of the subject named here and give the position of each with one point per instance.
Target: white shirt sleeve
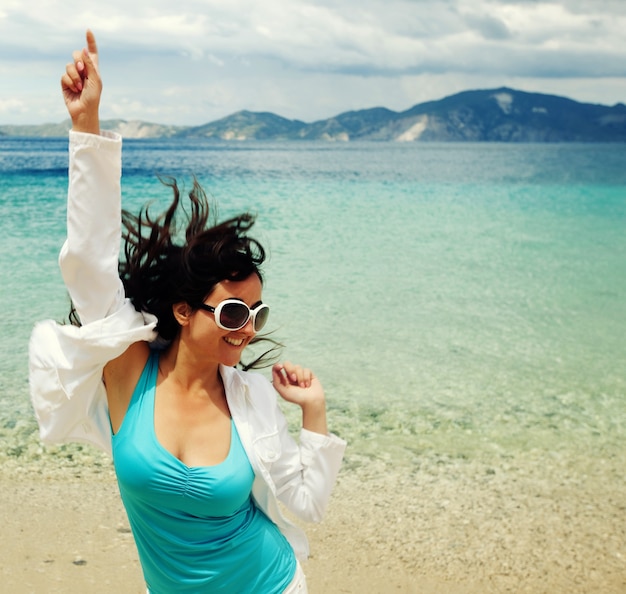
(89, 257)
(66, 362)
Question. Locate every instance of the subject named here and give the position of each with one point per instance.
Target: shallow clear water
(459, 299)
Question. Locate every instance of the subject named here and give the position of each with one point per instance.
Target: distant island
(496, 115)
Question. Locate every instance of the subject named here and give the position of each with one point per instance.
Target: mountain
(247, 125)
(502, 115)
(506, 115)
(127, 128)
(496, 115)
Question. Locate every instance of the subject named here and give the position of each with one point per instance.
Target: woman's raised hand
(82, 88)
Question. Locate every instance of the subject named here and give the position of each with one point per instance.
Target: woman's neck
(191, 373)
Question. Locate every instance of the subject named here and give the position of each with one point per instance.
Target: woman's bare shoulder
(120, 378)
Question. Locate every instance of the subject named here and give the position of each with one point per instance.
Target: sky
(189, 62)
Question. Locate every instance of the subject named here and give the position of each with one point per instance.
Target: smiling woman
(148, 371)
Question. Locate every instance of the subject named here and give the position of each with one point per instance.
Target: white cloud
(11, 105)
(196, 60)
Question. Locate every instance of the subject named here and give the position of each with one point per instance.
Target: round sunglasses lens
(234, 315)
(261, 318)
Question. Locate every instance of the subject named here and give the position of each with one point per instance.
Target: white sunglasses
(232, 314)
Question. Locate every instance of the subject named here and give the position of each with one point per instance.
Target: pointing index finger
(92, 47)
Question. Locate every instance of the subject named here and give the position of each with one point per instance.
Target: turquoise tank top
(197, 529)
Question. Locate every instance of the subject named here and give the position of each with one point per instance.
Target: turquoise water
(466, 300)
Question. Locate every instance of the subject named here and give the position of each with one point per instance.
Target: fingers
(89, 68)
(85, 64)
(82, 88)
(91, 52)
(74, 74)
(298, 385)
(294, 375)
(92, 47)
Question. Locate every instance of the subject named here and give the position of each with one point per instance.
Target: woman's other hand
(298, 385)
(82, 88)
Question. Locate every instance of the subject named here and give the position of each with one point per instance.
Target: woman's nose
(249, 328)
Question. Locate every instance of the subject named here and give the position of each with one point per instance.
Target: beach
(534, 524)
(463, 305)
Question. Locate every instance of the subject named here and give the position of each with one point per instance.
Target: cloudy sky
(188, 62)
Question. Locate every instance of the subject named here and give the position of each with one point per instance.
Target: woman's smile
(236, 342)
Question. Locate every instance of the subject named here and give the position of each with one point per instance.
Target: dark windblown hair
(162, 266)
(182, 254)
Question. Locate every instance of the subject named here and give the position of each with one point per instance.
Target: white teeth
(234, 341)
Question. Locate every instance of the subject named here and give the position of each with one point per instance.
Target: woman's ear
(182, 312)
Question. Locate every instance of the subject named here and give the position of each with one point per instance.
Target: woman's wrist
(314, 416)
(89, 124)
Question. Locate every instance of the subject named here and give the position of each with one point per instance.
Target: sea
(458, 301)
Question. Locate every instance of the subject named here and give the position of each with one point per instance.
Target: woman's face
(206, 338)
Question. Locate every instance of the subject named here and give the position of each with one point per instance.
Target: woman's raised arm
(89, 258)
(66, 363)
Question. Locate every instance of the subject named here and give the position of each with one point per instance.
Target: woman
(201, 449)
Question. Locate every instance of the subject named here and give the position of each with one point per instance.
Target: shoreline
(450, 526)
